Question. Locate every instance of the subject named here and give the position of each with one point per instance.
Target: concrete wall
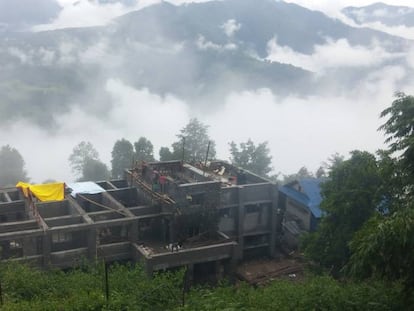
(188, 256)
(12, 211)
(299, 213)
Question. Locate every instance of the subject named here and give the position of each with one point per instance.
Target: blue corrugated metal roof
(294, 194)
(310, 195)
(311, 187)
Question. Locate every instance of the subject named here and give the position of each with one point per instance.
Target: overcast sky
(300, 131)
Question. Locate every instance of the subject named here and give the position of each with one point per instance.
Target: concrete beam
(64, 220)
(119, 206)
(79, 209)
(18, 226)
(21, 234)
(12, 207)
(190, 256)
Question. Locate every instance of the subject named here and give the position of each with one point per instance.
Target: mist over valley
(309, 83)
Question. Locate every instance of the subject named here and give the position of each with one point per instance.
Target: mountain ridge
(198, 52)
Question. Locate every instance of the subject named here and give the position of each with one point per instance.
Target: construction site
(208, 218)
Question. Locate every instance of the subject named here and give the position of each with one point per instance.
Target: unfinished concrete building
(164, 214)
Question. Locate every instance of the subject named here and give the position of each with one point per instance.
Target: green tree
(11, 166)
(122, 157)
(165, 154)
(333, 161)
(94, 170)
(384, 248)
(320, 172)
(302, 173)
(144, 150)
(399, 129)
(80, 154)
(194, 137)
(350, 198)
(251, 157)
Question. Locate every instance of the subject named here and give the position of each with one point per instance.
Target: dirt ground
(261, 271)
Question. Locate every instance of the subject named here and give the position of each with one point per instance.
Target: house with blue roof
(300, 200)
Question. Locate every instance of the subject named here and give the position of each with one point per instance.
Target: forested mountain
(390, 15)
(198, 52)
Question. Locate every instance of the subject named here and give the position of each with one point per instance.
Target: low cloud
(333, 8)
(300, 131)
(203, 44)
(230, 27)
(400, 31)
(96, 53)
(86, 13)
(134, 113)
(19, 54)
(333, 54)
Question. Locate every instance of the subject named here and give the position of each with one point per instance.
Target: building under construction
(163, 214)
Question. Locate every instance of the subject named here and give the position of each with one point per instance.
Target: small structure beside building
(300, 200)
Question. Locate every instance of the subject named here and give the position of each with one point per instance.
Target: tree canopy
(303, 172)
(384, 246)
(12, 166)
(368, 223)
(165, 154)
(193, 142)
(122, 157)
(251, 157)
(144, 150)
(80, 154)
(399, 129)
(94, 170)
(85, 163)
(350, 198)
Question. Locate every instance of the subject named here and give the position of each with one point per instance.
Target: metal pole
(106, 283)
(1, 295)
(184, 285)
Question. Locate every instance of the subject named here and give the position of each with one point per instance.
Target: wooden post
(205, 162)
(183, 152)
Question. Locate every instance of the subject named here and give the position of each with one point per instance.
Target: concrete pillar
(47, 248)
(233, 266)
(29, 247)
(92, 244)
(240, 222)
(273, 220)
(190, 275)
(164, 229)
(171, 225)
(219, 270)
(149, 269)
(5, 249)
(133, 232)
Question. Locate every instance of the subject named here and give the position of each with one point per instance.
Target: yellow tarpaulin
(44, 192)
(25, 187)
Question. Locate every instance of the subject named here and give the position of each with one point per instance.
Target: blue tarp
(310, 195)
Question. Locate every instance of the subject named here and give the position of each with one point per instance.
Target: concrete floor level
(164, 214)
